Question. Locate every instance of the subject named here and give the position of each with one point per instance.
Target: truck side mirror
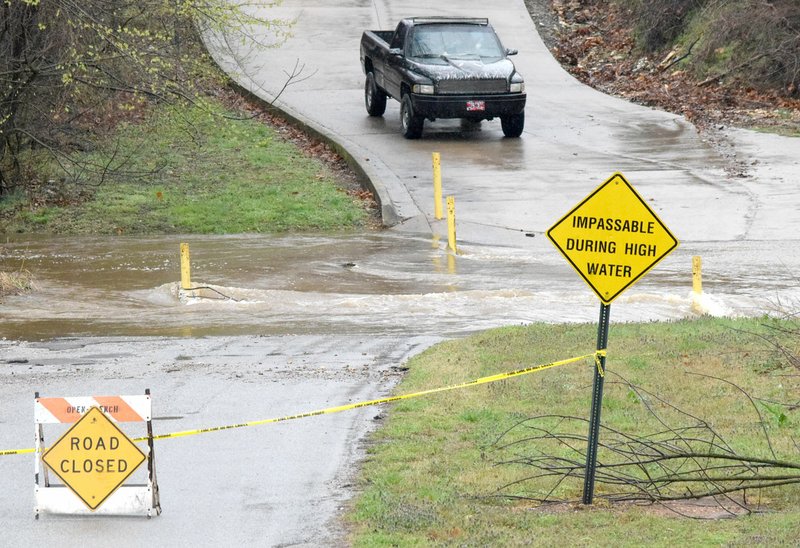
(511, 51)
(397, 52)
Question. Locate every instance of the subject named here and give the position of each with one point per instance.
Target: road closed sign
(93, 458)
(612, 238)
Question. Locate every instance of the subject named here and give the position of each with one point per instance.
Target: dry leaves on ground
(596, 46)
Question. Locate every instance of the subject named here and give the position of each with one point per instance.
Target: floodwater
(380, 283)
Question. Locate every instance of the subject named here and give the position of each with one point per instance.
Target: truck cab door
(395, 61)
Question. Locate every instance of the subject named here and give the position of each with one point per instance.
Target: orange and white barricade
(85, 470)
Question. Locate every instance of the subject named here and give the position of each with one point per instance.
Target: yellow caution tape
(369, 403)
(390, 399)
(597, 355)
(16, 451)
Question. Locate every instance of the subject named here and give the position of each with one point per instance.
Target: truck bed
(384, 35)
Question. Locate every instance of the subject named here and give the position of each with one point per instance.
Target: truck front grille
(467, 87)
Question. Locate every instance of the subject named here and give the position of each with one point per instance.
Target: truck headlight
(516, 87)
(424, 89)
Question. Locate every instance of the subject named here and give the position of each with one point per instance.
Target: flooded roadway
(382, 283)
(107, 317)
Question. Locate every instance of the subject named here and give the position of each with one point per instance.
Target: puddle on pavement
(375, 283)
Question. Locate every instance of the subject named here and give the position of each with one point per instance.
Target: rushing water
(375, 283)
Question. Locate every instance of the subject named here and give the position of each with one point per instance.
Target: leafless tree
(757, 41)
(67, 67)
(659, 22)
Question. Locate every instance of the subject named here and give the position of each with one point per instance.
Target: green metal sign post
(597, 404)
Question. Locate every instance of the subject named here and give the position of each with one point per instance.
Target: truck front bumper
(477, 107)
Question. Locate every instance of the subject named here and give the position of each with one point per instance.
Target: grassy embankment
(185, 170)
(434, 475)
(188, 170)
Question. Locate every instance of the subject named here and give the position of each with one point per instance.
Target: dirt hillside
(596, 46)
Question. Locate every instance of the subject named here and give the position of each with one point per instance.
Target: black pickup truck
(442, 67)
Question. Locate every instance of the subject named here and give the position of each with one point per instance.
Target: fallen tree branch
(686, 462)
(675, 61)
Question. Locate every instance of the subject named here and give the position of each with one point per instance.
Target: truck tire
(374, 98)
(410, 123)
(513, 124)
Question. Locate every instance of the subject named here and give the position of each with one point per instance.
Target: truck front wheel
(374, 98)
(513, 125)
(410, 123)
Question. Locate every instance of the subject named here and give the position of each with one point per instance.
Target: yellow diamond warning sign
(93, 458)
(612, 238)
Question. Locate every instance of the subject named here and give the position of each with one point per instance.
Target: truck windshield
(454, 42)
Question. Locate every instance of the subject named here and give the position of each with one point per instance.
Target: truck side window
(399, 38)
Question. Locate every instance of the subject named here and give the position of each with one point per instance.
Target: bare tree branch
(679, 462)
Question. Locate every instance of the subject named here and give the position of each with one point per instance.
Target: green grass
(432, 474)
(186, 170)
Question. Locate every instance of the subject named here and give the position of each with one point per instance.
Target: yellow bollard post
(437, 185)
(186, 269)
(697, 275)
(451, 224)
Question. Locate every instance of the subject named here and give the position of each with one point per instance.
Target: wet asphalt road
(283, 485)
(574, 139)
(272, 485)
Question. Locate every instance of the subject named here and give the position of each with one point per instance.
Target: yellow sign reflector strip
(369, 403)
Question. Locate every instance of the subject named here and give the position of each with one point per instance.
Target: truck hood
(447, 68)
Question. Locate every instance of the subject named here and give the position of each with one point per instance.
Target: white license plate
(476, 106)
